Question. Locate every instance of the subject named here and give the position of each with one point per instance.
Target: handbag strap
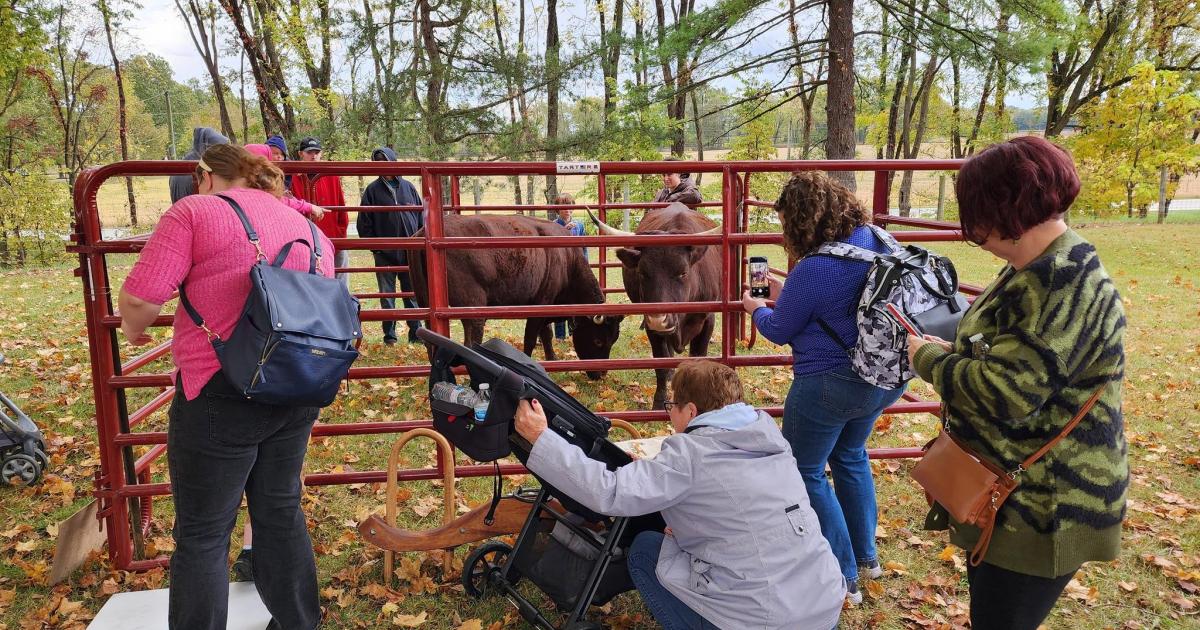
(1083, 411)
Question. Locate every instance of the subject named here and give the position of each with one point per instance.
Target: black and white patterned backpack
(920, 283)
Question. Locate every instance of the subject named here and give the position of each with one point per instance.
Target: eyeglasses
(668, 404)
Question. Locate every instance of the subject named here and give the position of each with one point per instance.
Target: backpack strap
(832, 334)
(253, 237)
(250, 233)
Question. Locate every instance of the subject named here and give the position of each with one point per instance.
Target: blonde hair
(233, 162)
(707, 384)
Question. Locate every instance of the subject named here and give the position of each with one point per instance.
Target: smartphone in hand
(900, 318)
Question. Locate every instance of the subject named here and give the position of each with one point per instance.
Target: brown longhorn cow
(521, 277)
(685, 273)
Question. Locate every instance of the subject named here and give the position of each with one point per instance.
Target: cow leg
(661, 348)
(472, 331)
(699, 345)
(535, 329)
(547, 335)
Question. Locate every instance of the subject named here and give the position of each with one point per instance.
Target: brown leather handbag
(971, 488)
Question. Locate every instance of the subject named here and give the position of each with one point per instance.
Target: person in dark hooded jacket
(678, 187)
(391, 191)
(202, 138)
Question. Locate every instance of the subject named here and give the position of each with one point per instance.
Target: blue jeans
(387, 284)
(670, 613)
(827, 419)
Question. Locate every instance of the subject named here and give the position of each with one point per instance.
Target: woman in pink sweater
(220, 445)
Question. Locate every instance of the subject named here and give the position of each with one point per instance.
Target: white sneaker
(852, 593)
(872, 572)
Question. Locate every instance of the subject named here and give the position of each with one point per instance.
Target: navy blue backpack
(296, 338)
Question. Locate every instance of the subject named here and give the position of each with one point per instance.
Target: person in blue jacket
(830, 410)
(391, 191)
(563, 217)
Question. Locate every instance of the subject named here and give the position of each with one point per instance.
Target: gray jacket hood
(761, 436)
(202, 138)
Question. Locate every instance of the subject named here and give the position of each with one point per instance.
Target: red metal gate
(123, 484)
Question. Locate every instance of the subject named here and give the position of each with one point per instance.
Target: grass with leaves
(1153, 585)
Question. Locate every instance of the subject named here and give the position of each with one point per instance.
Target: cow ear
(629, 256)
(696, 252)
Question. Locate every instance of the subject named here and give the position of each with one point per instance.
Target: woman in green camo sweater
(1043, 337)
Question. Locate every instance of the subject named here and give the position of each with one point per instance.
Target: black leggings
(1007, 600)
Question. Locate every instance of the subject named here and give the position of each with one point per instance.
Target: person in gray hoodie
(742, 547)
(202, 138)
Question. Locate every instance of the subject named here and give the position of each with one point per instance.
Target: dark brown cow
(521, 277)
(688, 273)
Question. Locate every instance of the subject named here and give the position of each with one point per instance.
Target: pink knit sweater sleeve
(299, 205)
(166, 259)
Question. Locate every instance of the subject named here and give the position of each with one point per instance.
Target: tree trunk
(123, 127)
(918, 135)
(699, 136)
(204, 39)
(552, 86)
(242, 99)
(610, 54)
(839, 105)
(955, 112)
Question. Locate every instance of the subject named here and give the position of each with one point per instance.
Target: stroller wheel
(481, 565)
(20, 470)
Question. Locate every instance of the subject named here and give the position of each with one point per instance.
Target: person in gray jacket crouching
(742, 547)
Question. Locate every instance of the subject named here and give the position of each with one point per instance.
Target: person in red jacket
(327, 191)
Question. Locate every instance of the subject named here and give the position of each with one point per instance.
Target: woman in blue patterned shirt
(830, 411)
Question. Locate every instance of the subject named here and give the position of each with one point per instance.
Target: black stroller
(22, 447)
(573, 555)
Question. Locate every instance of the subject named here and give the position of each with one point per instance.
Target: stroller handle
(476, 360)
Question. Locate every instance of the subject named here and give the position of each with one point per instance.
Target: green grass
(48, 373)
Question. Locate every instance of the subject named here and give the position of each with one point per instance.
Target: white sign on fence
(577, 168)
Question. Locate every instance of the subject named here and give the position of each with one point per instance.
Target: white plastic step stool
(147, 610)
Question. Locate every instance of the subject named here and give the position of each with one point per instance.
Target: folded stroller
(573, 555)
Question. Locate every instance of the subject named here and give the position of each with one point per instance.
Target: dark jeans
(827, 418)
(1007, 600)
(668, 611)
(220, 446)
(387, 284)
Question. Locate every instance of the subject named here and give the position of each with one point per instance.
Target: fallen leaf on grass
(27, 546)
(874, 589)
(109, 587)
(410, 621)
(390, 608)
(1078, 592)
(471, 624)
(1128, 587)
(426, 505)
(66, 607)
(1183, 603)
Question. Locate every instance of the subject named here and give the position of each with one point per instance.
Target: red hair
(1012, 186)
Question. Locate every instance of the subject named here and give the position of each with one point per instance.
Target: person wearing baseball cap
(324, 191)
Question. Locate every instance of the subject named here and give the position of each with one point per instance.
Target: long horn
(606, 229)
(710, 232)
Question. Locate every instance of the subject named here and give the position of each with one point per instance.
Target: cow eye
(599, 343)
(683, 275)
